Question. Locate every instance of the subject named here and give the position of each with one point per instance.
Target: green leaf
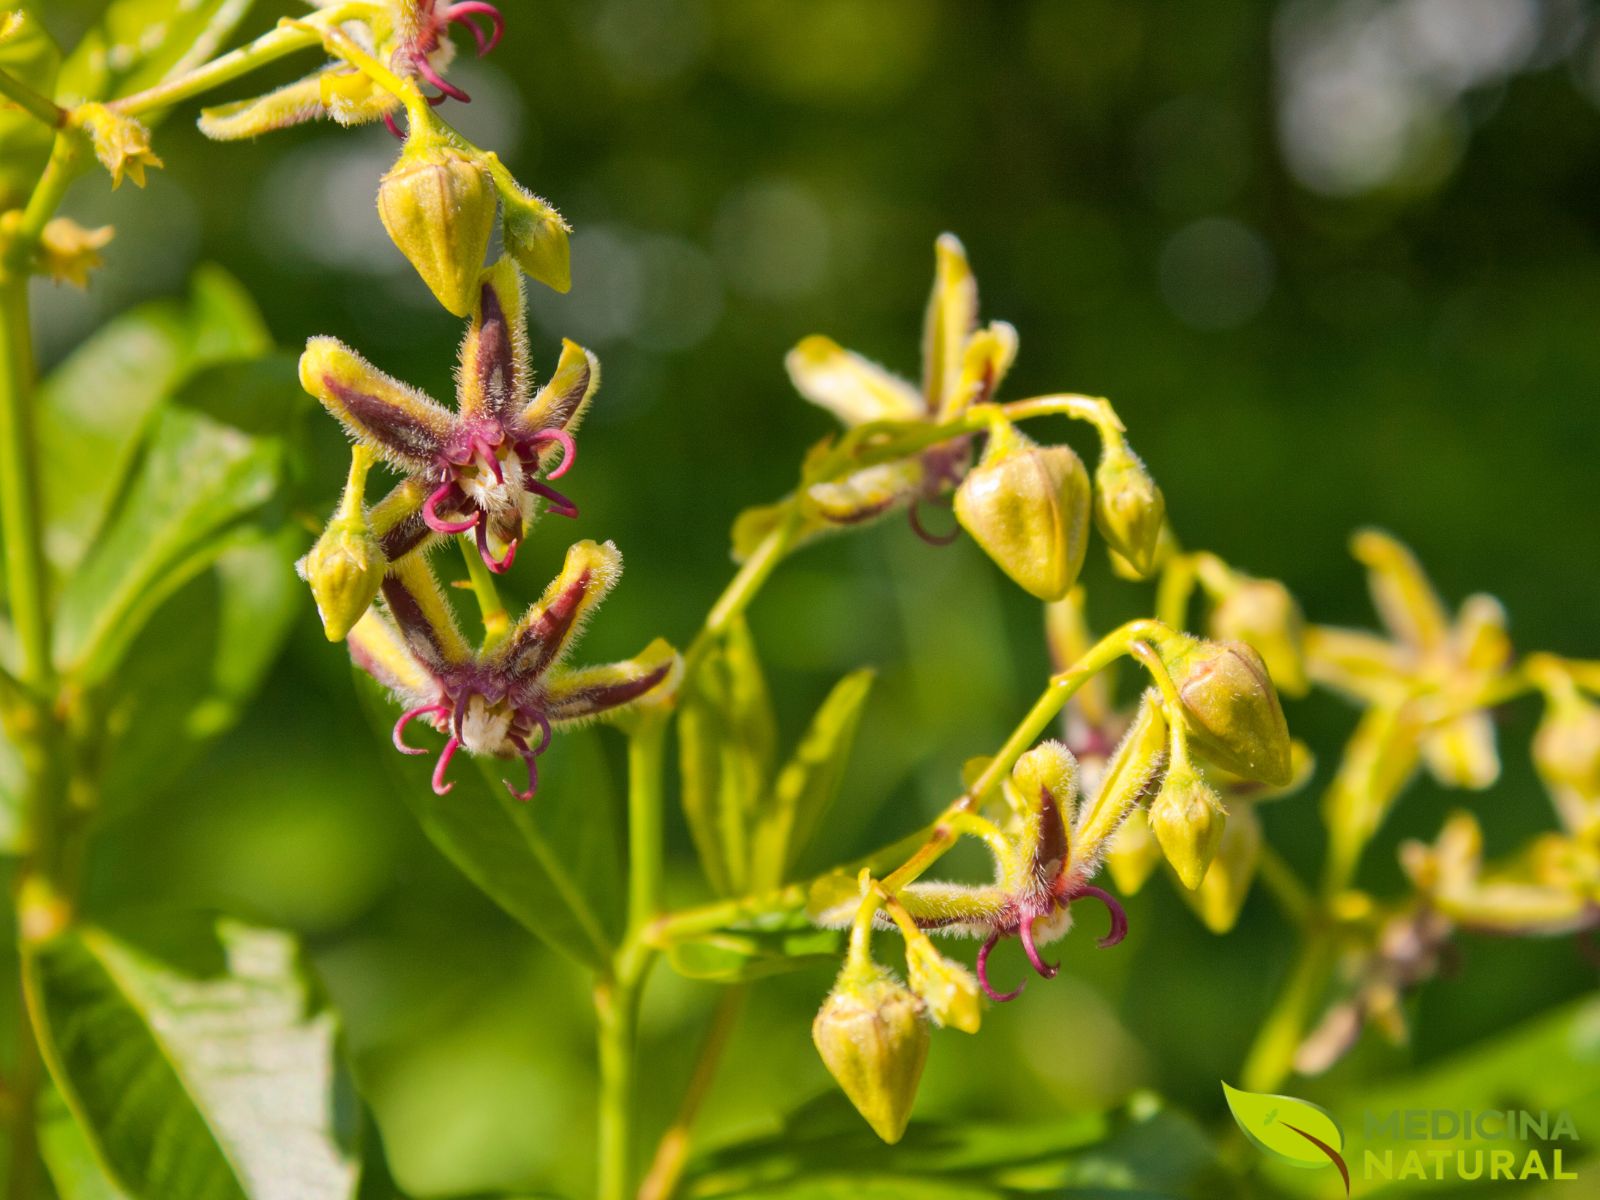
(825, 1151)
(809, 781)
(201, 1077)
(139, 43)
(195, 667)
(31, 57)
(753, 949)
(69, 1157)
(554, 863)
(726, 738)
(1284, 1126)
(197, 480)
(96, 407)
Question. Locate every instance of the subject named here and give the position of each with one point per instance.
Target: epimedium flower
(1044, 859)
(503, 701)
(410, 37)
(962, 365)
(483, 468)
(1431, 672)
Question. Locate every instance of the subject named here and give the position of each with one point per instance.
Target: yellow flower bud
(872, 1034)
(1231, 708)
(949, 990)
(1187, 819)
(1262, 613)
(1129, 509)
(347, 565)
(1028, 507)
(122, 144)
(1133, 853)
(1221, 894)
(438, 206)
(534, 234)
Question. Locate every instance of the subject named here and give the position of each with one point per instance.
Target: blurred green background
(1337, 262)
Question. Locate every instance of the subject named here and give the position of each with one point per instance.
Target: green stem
(269, 47)
(672, 1151)
(646, 804)
(742, 589)
(616, 1006)
(1271, 1058)
(31, 102)
(496, 621)
(65, 164)
(19, 491)
(1293, 897)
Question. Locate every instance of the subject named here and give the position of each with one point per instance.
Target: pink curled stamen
(569, 449)
(543, 722)
(460, 12)
(485, 451)
(1046, 970)
(921, 530)
(559, 504)
(440, 787)
(1119, 916)
(388, 119)
(425, 69)
(432, 519)
(406, 719)
(983, 974)
(530, 757)
(498, 565)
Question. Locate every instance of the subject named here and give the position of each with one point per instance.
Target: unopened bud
(1262, 613)
(1028, 507)
(1132, 774)
(872, 1034)
(1133, 853)
(1231, 708)
(1129, 508)
(1221, 894)
(346, 567)
(534, 234)
(121, 143)
(438, 206)
(949, 990)
(1187, 819)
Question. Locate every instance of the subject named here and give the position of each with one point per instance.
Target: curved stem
(496, 622)
(31, 102)
(225, 68)
(672, 1151)
(742, 589)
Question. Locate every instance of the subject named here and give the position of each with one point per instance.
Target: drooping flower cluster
(481, 469)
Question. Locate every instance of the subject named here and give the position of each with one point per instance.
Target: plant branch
(496, 622)
(269, 47)
(672, 1151)
(31, 102)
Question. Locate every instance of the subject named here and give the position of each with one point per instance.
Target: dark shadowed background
(1335, 261)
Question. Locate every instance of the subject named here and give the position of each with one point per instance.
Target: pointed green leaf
(552, 863)
(30, 56)
(825, 1151)
(1284, 1126)
(198, 1077)
(136, 44)
(809, 781)
(68, 1156)
(726, 739)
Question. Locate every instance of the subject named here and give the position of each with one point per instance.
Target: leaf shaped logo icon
(1289, 1129)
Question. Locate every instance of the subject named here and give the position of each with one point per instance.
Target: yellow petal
(951, 317)
(1461, 752)
(852, 388)
(1404, 598)
(293, 104)
(988, 356)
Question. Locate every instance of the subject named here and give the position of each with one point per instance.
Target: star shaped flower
(961, 366)
(503, 701)
(483, 467)
(410, 37)
(1436, 670)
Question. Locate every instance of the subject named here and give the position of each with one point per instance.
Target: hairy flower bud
(121, 143)
(438, 206)
(346, 566)
(1133, 853)
(1187, 819)
(1028, 507)
(1129, 508)
(534, 234)
(872, 1034)
(1231, 708)
(1262, 613)
(949, 990)
(1221, 894)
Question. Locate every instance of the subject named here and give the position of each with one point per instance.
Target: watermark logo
(1290, 1130)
